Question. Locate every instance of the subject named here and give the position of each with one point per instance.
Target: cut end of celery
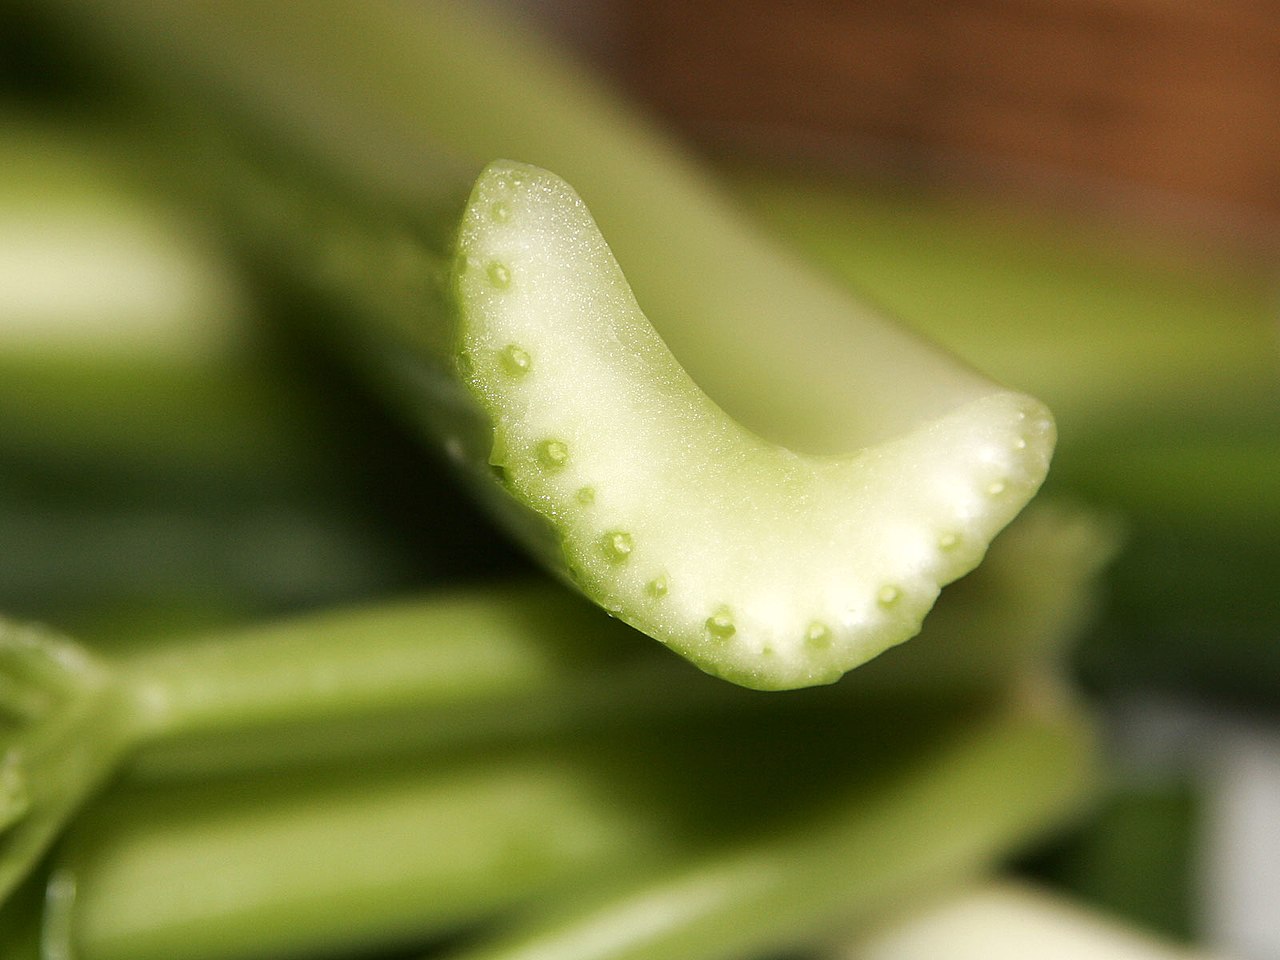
(766, 567)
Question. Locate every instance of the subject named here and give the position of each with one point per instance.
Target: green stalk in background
(124, 331)
(472, 666)
(167, 459)
(347, 861)
(1127, 339)
(1138, 855)
(886, 466)
(936, 816)
(469, 668)
(783, 825)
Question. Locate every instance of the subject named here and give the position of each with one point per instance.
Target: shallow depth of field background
(1072, 161)
(1081, 197)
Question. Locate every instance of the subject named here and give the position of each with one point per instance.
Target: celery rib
(943, 815)
(748, 846)
(672, 516)
(373, 855)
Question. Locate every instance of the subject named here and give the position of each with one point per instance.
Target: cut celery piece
(768, 567)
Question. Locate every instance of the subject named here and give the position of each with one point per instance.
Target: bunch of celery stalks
(273, 685)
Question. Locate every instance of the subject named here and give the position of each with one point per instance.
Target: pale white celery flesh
(769, 567)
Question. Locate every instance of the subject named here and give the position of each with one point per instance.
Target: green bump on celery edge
(889, 465)
(1017, 616)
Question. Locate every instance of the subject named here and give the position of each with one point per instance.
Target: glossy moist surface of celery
(769, 567)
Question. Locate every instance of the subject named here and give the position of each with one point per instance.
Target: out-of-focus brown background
(1169, 109)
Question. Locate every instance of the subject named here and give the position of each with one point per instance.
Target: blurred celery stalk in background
(777, 841)
(168, 459)
(124, 332)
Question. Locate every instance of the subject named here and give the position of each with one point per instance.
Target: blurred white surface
(1241, 890)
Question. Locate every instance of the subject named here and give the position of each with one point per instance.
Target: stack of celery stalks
(345, 489)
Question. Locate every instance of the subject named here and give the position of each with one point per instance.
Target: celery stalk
(939, 815)
(63, 730)
(123, 330)
(168, 460)
(883, 463)
(150, 453)
(1126, 337)
(445, 843)
(461, 669)
(474, 666)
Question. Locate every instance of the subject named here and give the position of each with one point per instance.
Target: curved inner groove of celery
(769, 567)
